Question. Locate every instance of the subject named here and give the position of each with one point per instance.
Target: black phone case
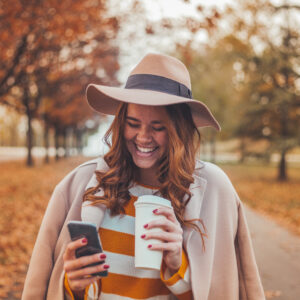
(78, 230)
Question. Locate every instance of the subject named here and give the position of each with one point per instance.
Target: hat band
(159, 84)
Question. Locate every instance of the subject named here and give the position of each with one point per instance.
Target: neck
(148, 177)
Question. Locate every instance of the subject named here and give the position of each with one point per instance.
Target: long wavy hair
(175, 167)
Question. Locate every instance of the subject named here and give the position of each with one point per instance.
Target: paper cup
(144, 206)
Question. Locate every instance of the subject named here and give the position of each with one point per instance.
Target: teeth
(145, 150)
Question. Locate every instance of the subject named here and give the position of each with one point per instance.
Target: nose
(144, 135)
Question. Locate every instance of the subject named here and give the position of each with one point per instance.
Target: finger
(72, 246)
(84, 272)
(83, 261)
(167, 212)
(81, 284)
(165, 224)
(163, 236)
(172, 247)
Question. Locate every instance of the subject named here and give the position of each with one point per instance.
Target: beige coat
(226, 270)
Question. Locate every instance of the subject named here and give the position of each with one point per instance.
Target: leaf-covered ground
(257, 186)
(24, 194)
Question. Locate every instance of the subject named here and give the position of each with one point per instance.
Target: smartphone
(79, 230)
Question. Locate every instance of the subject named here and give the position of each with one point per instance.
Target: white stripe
(120, 223)
(139, 190)
(105, 296)
(124, 265)
(187, 275)
(124, 223)
(179, 287)
(93, 294)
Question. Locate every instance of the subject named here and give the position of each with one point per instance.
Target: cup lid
(151, 199)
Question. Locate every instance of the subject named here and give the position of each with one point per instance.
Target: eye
(133, 125)
(159, 128)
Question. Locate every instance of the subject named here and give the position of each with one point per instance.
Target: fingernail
(143, 235)
(155, 210)
(102, 256)
(84, 241)
(106, 266)
(149, 246)
(145, 226)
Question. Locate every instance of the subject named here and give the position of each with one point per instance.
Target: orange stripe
(129, 208)
(179, 274)
(184, 264)
(185, 296)
(136, 288)
(67, 287)
(117, 242)
(147, 186)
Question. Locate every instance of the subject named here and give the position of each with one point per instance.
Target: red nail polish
(102, 256)
(143, 235)
(106, 266)
(149, 246)
(155, 210)
(145, 226)
(84, 241)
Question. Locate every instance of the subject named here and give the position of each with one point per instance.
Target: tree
(215, 78)
(272, 96)
(250, 76)
(37, 39)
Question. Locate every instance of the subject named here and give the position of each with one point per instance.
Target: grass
(25, 192)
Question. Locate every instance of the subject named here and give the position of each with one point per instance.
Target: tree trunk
(213, 147)
(56, 138)
(203, 149)
(282, 174)
(242, 150)
(79, 141)
(29, 161)
(29, 141)
(46, 141)
(65, 143)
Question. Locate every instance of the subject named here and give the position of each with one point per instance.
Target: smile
(145, 149)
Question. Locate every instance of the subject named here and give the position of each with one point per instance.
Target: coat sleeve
(249, 281)
(226, 268)
(42, 260)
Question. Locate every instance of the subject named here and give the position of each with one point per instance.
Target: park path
(277, 254)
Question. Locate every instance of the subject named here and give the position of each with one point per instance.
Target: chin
(144, 164)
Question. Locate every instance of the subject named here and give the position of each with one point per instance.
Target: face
(145, 134)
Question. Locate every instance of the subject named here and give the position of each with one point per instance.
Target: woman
(207, 252)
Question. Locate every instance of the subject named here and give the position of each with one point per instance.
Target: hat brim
(106, 100)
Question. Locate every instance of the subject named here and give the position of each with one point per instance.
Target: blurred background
(244, 61)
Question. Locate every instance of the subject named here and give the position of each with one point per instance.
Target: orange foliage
(51, 50)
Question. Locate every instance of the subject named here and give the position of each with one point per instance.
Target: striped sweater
(124, 281)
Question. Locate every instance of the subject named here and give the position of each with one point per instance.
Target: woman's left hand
(171, 237)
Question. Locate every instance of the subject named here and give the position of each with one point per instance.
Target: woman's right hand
(79, 276)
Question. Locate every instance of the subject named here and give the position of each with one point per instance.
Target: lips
(145, 149)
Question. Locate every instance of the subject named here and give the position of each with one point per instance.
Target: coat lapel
(94, 213)
(193, 208)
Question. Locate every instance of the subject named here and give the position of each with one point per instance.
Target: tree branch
(19, 52)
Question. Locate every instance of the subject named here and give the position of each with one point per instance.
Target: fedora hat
(157, 80)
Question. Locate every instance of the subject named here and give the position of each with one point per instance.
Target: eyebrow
(137, 120)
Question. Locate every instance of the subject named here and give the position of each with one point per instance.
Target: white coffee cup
(144, 206)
